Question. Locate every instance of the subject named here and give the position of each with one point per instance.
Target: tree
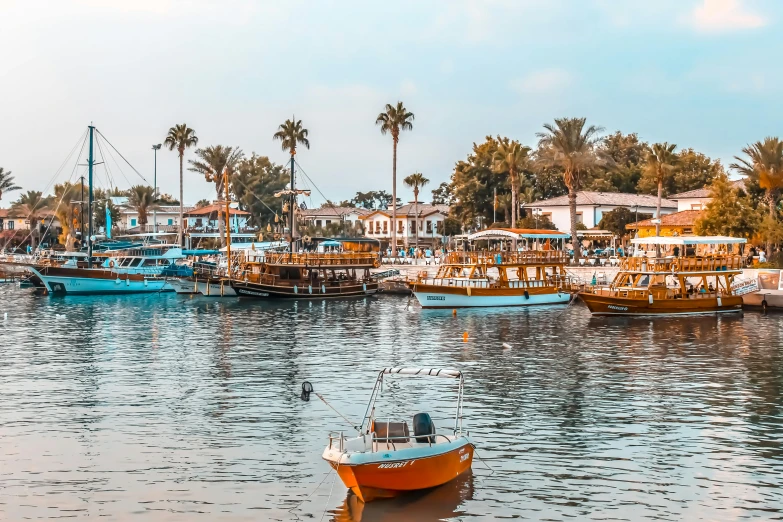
(511, 158)
(101, 202)
(201, 203)
(181, 137)
(474, 184)
(616, 220)
(373, 199)
(393, 120)
(211, 163)
(626, 153)
(764, 165)
(291, 133)
(141, 198)
(694, 170)
(66, 211)
(729, 213)
(443, 195)
(569, 145)
(416, 181)
(7, 182)
(255, 181)
(659, 164)
(32, 205)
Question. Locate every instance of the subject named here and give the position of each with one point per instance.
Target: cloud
(541, 82)
(716, 16)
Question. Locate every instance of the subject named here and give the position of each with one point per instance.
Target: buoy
(454, 312)
(5, 316)
(506, 346)
(465, 337)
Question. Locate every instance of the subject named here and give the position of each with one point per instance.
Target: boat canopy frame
(688, 240)
(369, 413)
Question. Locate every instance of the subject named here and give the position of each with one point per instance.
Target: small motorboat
(386, 459)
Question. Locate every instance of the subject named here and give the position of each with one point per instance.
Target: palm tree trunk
(181, 207)
(394, 201)
(416, 215)
(572, 211)
(221, 227)
(514, 204)
(658, 216)
(772, 214)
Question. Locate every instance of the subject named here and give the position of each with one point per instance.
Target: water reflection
(170, 408)
(422, 506)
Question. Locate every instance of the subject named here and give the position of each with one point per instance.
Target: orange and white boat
(386, 459)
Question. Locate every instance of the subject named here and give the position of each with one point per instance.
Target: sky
(704, 74)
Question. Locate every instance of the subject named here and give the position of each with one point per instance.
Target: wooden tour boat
(385, 459)
(470, 279)
(692, 275)
(307, 276)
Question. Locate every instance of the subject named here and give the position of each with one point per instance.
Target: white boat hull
(216, 289)
(773, 298)
(438, 300)
(93, 286)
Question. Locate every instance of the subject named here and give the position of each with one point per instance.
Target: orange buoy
(465, 337)
(454, 312)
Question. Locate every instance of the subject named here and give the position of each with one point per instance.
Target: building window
(377, 227)
(171, 221)
(429, 226)
(318, 223)
(579, 218)
(695, 206)
(10, 225)
(133, 222)
(385, 227)
(328, 222)
(400, 227)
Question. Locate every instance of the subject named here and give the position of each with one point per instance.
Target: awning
(423, 372)
(517, 233)
(688, 240)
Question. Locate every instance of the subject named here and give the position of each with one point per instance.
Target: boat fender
(127, 282)
(527, 295)
(650, 298)
(468, 291)
(720, 302)
(117, 281)
(323, 289)
(310, 289)
(296, 290)
(364, 287)
(145, 282)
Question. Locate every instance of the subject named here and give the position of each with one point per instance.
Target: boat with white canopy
(386, 459)
(673, 276)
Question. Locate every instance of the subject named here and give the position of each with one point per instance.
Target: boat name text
(436, 298)
(621, 308)
(388, 465)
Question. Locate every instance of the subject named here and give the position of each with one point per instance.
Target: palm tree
(416, 181)
(141, 198)
(394, 120)
(7, 182)
(570, 146)
(291, 133)
(181, 137)
(660, 161)
(212, 162)
(65, 211)
(31, 205)
(764, 165)
(513, 158)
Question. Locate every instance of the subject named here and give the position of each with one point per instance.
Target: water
(161, 408)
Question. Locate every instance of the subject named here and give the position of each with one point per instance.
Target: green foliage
(452, 226)
(372, 200)
(540, 222)
(203, 203)
(510, 159)
(688, 170)
(291, 133)
(474, 182)
(254, 183)
(211, 163)
(181, 137)
(770, 230)
(728, 213)
(7, 182)
(141, 198)
(334, 229)
(99, 207)
(443, 195)
(764, 168)
(615, 220)
(395, 118)
(625, 154)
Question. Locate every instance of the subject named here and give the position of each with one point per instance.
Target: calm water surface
(159, 408)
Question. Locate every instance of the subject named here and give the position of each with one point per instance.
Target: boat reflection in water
(427, 505)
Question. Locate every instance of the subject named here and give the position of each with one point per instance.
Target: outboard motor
(423, 425)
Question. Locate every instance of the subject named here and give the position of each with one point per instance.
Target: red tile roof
(620, 199)
(685, 218)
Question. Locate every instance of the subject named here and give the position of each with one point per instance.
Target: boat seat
(396, 431)
(423, 425)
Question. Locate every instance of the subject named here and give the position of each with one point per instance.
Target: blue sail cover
(108, 221)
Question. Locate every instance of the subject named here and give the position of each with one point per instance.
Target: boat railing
(527, 257)
(683, 264)
(319, 259)
(562, 282)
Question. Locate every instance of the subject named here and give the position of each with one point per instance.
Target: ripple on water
(173, 408)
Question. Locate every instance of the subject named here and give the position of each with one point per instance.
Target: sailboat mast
(90, 162)
(228, 221)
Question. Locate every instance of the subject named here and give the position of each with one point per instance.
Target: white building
(591, 206)
(326, 215)
(430, 221)
(166, 217)
(698, 199)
